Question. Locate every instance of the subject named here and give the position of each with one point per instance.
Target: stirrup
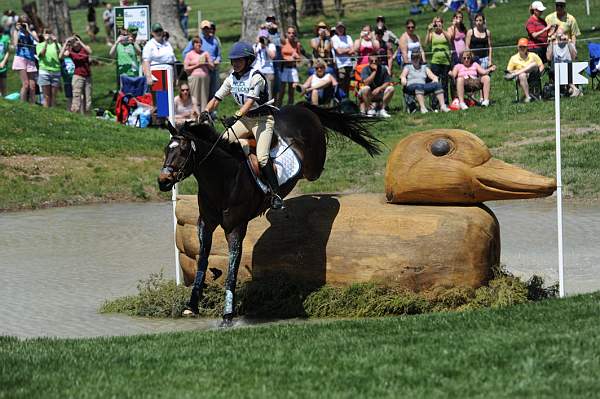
(276, 202)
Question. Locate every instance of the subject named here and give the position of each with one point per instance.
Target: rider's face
(238, 64)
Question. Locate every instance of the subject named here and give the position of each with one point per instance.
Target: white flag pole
(174, 191)
(587, 7)
(561, 282)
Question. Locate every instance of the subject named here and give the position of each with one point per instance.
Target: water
(57, 266)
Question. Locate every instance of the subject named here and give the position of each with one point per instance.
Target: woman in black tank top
(479, 40)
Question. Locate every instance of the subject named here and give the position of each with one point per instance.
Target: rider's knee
(263, 159)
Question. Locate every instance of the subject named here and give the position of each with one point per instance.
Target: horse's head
(179, 154)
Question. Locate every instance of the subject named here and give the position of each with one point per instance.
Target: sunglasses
(467, 57)
(185, 90)
(319, 68)
(410, 27)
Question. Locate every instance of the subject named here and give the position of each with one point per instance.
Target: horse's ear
(172, 129)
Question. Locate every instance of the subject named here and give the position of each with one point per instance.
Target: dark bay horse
(227, 192)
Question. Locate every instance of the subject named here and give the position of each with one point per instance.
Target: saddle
(285, 162)
(252, 156)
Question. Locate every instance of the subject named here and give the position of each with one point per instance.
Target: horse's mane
(205, 135)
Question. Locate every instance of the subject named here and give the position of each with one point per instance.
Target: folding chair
(594, 67)
(535, 85)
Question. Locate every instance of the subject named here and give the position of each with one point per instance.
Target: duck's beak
(497, 180)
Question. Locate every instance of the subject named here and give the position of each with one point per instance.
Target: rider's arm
(245, 108)
(212, 104)
(223, 91)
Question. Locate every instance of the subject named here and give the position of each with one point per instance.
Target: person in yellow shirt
(525, 66)
(560, 18)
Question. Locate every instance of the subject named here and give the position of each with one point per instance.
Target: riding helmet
(242, 50)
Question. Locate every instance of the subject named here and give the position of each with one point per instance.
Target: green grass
(543, 349)
(519, 133)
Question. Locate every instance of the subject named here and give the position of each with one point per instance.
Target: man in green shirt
(127, 52)
(4, 50)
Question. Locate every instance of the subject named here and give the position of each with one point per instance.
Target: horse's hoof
(226, 322)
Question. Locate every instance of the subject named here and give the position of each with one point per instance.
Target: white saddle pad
(287, 164)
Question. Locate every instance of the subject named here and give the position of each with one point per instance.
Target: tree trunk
(311, 7)
(254, 13)
(55, 15)
(165, 13)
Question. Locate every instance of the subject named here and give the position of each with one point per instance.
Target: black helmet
(242, 50)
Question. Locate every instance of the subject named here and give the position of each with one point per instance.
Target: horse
(228, 194)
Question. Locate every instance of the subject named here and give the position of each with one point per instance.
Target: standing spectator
(538, 30)
(319, 88)
(457, 33)
(67, 70)
(321, 45)
(365, 45)
(414, 79)
(82, 76)
(409, 42)
(388, 35)
(524, 66)
(197, 65)
(562, 49)
(479, 41)
(343, 49)
(385, 54)
(92, 26)
(439, 40)
(127, 52)
(183, 10)
(265, 54)
(108, 17)
(377, 89)
(49, 72)
(4, 54)
(25, 40)
(212, 44)
(157, 51)
(291, 51)
(563, 20)
(470, 76)
(186, 107)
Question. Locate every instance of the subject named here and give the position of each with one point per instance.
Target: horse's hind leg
(205, 235)
(234, 240)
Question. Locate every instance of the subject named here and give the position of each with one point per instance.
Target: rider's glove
(204, 116)
(230, 121)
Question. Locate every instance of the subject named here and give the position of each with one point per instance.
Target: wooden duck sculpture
(344, 239)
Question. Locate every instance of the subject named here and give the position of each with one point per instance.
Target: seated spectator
(197, 65)
(470, 76)
(186, 107)
(4, 54)
(319, 88)
(561, 19)
(524, 66)
(414, 79)
(538, 30)
(49, 67)
(266, 52)
(365, 45)
(377, 89)
(562, 49)
(127, 52)
(343, 49)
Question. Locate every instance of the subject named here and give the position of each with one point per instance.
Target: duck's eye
(441, 147)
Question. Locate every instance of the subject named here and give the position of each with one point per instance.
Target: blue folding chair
(593, 69)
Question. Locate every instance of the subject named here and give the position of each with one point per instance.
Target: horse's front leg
(205, 235)
(234, 240)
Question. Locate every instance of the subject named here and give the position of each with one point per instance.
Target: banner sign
(570, 73)
(138, 16)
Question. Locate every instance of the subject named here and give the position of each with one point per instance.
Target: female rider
(249, 89)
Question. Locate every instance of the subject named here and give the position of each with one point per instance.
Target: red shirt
(534, 24)
(81, 59)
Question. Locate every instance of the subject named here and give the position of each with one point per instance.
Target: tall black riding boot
(269, 174)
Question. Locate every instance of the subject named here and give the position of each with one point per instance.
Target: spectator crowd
(451, 64)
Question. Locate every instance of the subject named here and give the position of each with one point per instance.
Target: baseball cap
(205, 24)
(156, 27)
(538, 5)
(133, 29)
(270, 17)
(523, 42)
(380, 18)
(340, 23)
(560, 2)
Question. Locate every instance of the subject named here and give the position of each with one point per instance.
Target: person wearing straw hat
(538, 30)
(321, 45)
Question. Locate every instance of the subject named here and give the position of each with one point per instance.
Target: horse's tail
(352, 126)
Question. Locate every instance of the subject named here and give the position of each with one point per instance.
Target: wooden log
(357, 238)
